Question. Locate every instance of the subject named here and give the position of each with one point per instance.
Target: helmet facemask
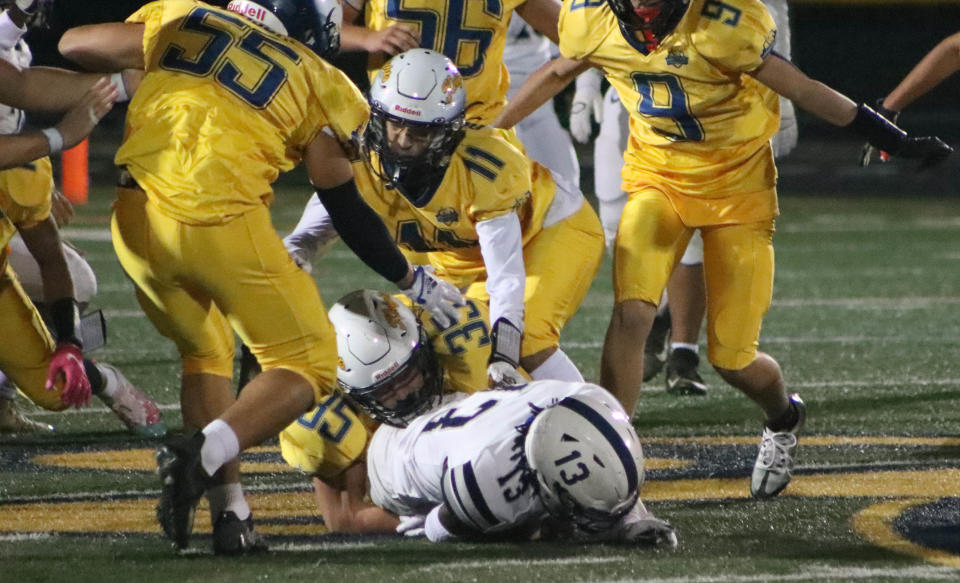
(380, 399)
(654, 20)
(415, 176)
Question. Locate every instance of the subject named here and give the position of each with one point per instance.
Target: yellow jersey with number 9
(332, 437)
(699, 124)
(471, 33)
(226, 106)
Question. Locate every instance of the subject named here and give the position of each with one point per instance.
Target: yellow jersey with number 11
(700, 125)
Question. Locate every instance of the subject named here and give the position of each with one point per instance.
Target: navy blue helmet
(315, 23)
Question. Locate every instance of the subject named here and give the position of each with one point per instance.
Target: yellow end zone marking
(139, 515)
(928, 483)
(141, 460)
(815, 440)
(875, 524)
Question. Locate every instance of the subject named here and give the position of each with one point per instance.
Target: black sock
(97, 381)
(786, 420)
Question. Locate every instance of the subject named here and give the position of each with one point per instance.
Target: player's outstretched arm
(93, 104)
(546, 82)
(937, 65)
(341, 501)
(543, 16)
(108, 47)
(365, 234)
(836, 108)
(43, 242)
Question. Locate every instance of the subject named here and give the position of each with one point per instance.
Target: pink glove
(68, 361)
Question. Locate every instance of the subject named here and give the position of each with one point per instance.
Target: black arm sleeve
(879, 131)
(363, 231)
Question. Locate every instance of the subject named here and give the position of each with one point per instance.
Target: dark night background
(861, 48)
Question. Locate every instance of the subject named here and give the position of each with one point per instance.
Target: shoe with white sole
(137, 410)
(774, 466)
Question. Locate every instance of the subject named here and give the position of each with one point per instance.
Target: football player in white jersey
(542, 136)
(680, 323)
(496, 463)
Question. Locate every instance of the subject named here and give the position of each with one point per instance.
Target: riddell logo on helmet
(249, 10)
(407, 110)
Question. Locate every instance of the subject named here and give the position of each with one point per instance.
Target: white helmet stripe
(611, 435)
(462, 495)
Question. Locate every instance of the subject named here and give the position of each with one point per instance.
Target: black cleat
(183, 484)
(656, 348)
(683, 378)
(232, 536)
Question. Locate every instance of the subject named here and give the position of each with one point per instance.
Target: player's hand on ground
(393, 40)
(649, 531)
(587, 105)
(412, 525)
(438, 297)
(67, 364)
(81, 119)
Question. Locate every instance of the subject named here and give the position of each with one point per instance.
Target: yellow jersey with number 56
(471, 33)
(331, 437)
(225, 106)
(700, 125)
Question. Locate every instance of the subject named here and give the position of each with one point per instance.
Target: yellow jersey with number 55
(331, 437)
(471, 33)
(700, 125)
(225, 106)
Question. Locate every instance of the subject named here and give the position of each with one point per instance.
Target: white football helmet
(422, 90)
(315, 23)
(384, 353)
(587, 459)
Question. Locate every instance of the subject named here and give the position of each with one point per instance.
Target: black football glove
(884, 135)
(866, 154)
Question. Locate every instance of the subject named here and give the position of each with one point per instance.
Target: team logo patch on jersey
(677, 59)
(447, 215)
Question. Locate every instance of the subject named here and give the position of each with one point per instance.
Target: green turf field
(865, 322)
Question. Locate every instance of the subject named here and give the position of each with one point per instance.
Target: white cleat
(774, 466)
(137, 410)
(12, 420)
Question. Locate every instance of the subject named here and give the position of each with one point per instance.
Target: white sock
(694, 348)
(220, 446)
(557, 367)
(227, 497)
(111, 384)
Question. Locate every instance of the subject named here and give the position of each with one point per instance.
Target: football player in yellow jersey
(383, 345)
(496, 224)
(231, 98)
(700, 81)
(471, 34)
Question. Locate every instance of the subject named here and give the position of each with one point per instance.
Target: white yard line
(818, 573)
(506, 563)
